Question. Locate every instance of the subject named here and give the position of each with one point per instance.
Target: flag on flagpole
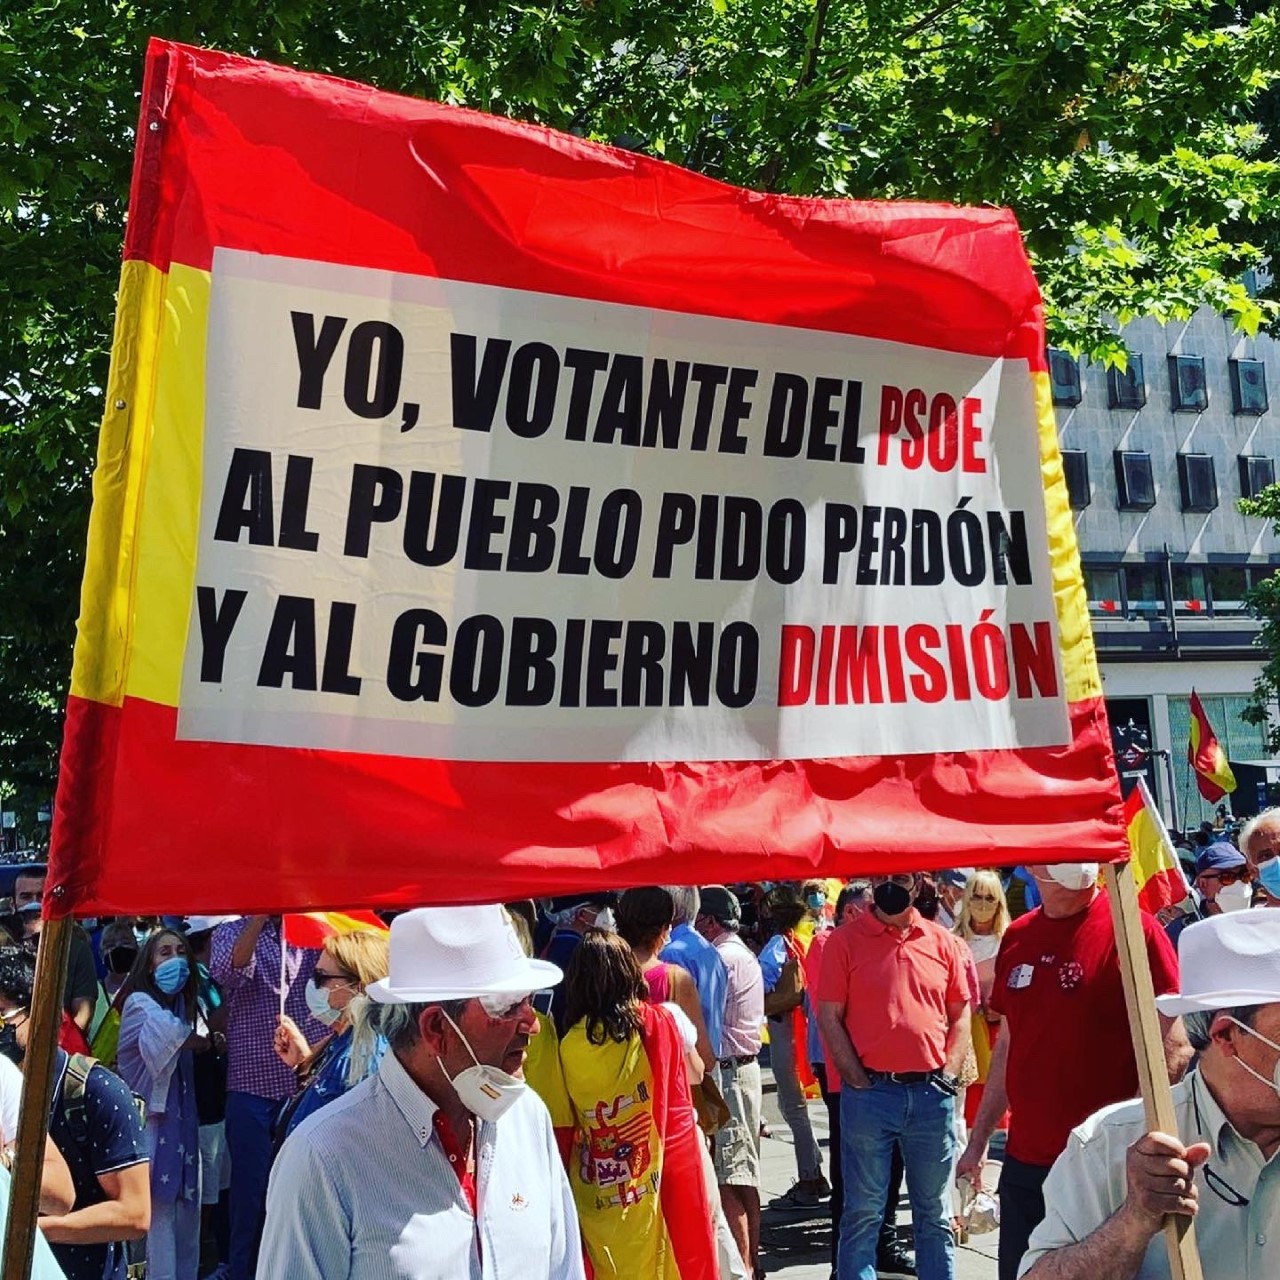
(1156, 868)
(311, 928)
(1213, 774)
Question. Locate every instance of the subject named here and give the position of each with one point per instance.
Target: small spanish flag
(1155, 865)
(1213, 774)
(311, 928)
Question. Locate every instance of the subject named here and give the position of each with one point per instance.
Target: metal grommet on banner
(121, 405)
(154, 126)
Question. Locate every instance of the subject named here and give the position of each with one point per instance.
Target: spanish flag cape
(636, 1167)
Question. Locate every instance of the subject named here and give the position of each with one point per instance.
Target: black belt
(741, 1061)
(902, 1077)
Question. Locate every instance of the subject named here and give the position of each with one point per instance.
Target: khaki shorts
(738, 1143)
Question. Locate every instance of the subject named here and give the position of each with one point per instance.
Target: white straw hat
(455, 953)
(1227, 960)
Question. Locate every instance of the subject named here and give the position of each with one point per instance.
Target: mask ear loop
(466, 1044)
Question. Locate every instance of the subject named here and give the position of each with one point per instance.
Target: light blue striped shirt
(363, 1190)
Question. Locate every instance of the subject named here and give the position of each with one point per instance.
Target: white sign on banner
(458, 521)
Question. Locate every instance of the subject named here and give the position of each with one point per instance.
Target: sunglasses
(501, 1008)
(324, 979)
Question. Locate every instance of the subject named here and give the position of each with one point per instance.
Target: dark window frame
(1125, 500)
(1182, 403)
(1127, 390)
(1188, 465)
(1072, 395)
(1247, 462)
(1075, 466)
(1238, 388)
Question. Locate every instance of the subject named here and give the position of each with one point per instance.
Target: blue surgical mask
(172, 974)
(1269, 874)
(816, 901)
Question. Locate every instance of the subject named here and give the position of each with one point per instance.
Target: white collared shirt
(363, 1190)
(1087, 1185)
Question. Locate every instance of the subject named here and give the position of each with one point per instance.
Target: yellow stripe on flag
(1079, 661)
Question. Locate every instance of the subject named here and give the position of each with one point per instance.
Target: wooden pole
(44, 1017)
(1148, 1045)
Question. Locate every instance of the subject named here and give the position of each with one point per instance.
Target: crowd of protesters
(573, 1087)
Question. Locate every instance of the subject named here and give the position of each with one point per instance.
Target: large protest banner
(481, 512)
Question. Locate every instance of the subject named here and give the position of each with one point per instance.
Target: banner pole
(1148, 1046)
(37, 1088)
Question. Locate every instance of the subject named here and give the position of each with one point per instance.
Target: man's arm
(959, 1037)
(840, 1050)
(1158, 1176)
(125, 1215)
(995, 1101)
(247, 943)
(307, 1221)
(1177, 1048)
(57, 1191)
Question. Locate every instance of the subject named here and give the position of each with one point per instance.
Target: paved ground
(797, 1245)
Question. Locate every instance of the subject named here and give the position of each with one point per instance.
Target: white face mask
(1274, 1082)
(487, 1092)
(1235, 897)
(605, 920)
(318, 1004)
(1074, 875)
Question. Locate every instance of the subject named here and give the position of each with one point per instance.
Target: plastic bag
(979, 1208)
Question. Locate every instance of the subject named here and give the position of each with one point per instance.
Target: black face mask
(10, 1047)
(120, 959)
(891, 899)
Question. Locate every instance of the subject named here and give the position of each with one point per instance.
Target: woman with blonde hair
(981, 919)
(347, 963)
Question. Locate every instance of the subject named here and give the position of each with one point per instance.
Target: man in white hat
(1108, 1193)
(442, 1165)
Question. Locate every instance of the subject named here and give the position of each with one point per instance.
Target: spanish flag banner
(1213, 774)
(482, 513)
(1154, 863)
(312, 928)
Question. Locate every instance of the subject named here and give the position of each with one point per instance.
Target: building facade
(1156, 458)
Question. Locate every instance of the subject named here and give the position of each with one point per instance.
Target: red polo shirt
(895, 986)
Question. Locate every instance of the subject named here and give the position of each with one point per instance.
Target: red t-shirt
(895, 988)
(1058, 986)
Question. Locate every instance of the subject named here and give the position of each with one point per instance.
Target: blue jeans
(249, 1142)
(918, 1118)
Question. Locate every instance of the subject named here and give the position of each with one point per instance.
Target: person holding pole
(248, 961)
(1108, 1194)
(1064, 1048)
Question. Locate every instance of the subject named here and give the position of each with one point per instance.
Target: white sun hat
(455, 953)
(1227, 960)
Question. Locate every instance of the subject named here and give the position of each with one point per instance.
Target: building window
(1064, 373)
(1135, 487)
(1127, 388)
(1188, 387)
(1248, 386)
(1227, 585)
(1103, 590)
(1075, 466)
(1255, 475)
(1190, 593)
(1197, 481)
(1144, 590)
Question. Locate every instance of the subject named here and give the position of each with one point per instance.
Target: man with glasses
(1064, 1048)
(1108, 1193)
(899, 1056)
(444, 1163)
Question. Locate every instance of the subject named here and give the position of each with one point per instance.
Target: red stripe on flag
(337, 825)
(447, 192)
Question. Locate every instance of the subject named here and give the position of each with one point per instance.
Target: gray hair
(395, 1023)
(1199, 1022)
(1250, 828)
(687, 900)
